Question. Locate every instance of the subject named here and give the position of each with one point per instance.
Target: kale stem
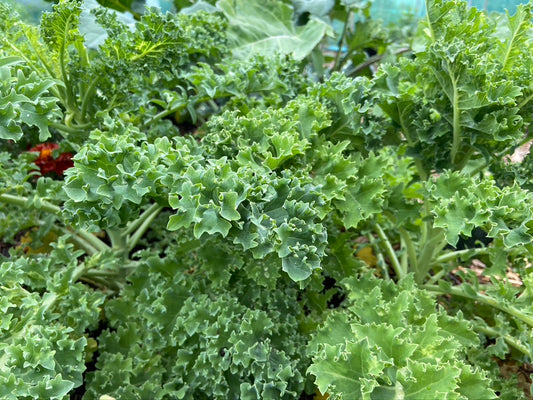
(381, 261)
(466, 158)
(89, 248)
(418, 163)
(372, 60)
(102, 281)
(456, 141)
(118, 240)
(164, 113)
(67, 129)
(432, 243)
(460, 253)
(525, 101)
(147, 218)
(87, 240)
(53, 209)
(410, 247)
(23, 201)
(86, 97)
(93, 240)
(482, 298)
(99, 283)
(430, 26)
(436, 277)
(508, 339)
(390, 251)
(133, 225)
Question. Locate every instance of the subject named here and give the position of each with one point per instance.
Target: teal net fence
(394, 10)
(387, 10)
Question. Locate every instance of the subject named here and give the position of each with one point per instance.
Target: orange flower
(47, 163)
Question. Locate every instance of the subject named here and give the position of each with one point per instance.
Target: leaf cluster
(389, 342)
(245, 219)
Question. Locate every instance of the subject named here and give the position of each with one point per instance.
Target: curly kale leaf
(389, 342)
(20, 189)
(245, 84)
(126, 63)
(115, 173)
(42, 331)
(59, 29)
(202, 343)
(351, 103)
(25, 101)
(23, 40)
(462, 203)
(237, 85)
(263, 213)
(435, 99)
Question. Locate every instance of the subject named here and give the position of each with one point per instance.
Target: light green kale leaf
(25, 101)
(259, 81)
(270, 139)
(115, 173)
(43, 329)
(351, 103)
(22, 40)
(19, 191)
(357, 187)
(247, 189)
(173, 334)
(389, 342)
(258, 210)
(126, 63)
(461, 203)
(434, 99)
(59, 28)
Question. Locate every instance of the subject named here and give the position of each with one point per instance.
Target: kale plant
(213, 204)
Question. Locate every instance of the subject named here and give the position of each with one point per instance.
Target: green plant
(245, 225)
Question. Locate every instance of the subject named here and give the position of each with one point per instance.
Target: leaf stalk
(481, 298)
(396, 266)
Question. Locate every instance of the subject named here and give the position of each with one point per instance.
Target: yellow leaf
(319, 396)
(26, 243)
(367, 255)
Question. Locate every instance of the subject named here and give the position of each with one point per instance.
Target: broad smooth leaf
(268, 29)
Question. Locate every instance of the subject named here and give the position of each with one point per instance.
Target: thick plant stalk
(481, 298)
(391, 253)
(90, 240)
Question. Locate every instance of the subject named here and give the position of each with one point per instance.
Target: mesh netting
(394, 10)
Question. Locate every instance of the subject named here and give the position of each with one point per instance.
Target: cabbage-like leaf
(267, 28)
